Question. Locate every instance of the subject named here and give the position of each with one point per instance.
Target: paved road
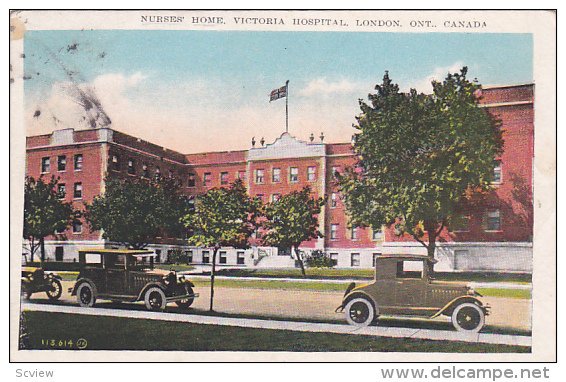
(508, 315)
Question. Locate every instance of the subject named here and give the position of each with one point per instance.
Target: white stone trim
(287, 146)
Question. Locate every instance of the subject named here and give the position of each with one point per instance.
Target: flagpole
(287, 106)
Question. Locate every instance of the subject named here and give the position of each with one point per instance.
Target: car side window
(115, 261)
(407, 269)
(93, 260)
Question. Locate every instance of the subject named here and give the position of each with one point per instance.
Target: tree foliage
(135, 212)
(45, 212)
(292, 220)
(419, 155)
(222, 217)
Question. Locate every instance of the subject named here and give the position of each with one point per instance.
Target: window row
(207, 178)
(293, 175)
(354, 259)
(76, 227)
(206, 256)
(376, 234)
(132, 169)
(491, 222)
(62, 163)
(77, 190)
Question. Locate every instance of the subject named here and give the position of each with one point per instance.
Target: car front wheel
(85, 295)
(155, 299)
(468, 317)
(184, 304)
(359, 312)
(55, 290)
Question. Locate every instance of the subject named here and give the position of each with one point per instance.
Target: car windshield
(140, 262)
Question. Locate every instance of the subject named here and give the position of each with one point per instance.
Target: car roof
(104, 251)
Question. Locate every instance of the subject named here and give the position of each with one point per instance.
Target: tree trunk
(431, 249)
(212, 274)
(299, 259)
(42, 247)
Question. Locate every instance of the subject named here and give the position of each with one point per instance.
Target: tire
(184, 304)
(85, 295)
(155, 299)
(360, 312)
(468, 317)
(55, 291)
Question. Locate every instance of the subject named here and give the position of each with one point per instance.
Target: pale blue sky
(199, 84)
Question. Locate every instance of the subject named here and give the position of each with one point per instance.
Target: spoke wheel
(155, 299)
(85, 295)
(55, 290)
(184, 304)
(468, 317)
(359, 312)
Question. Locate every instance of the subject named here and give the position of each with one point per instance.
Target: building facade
(493, 236)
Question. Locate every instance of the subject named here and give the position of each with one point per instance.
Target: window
(311, 173)
(61, 163)
(223, 178)
(115, 163)
(275, 197)
(333, 231)
(410, 269)
(259, 174)
(145, 171)
(497, 171)
(335, 171)
(77, 227)
(222, 257)
(460, 223)
(240, 258)
(355, 260)
(333, 200)
(191, 182)
(61, 190)
(78, 190)
(276, 175)
(377, 234)
(189, 255)
(354, 233)
(59, 251)
(294, 174)
(78, 162)
(207, 179)
(205, 257)
(60, 230)
(493, 220)
(241, 175)
(158, 254)
(131, 167)
(45, 165)
(373, 257)
(259, 197)
(334, 259)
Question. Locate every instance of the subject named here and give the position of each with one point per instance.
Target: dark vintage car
(403, 287)
(124, 275)
(36, 280)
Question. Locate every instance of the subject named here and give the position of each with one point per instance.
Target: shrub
(319, 259)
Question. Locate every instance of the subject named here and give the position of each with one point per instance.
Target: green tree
(222, 217)
(292, 220)
(45, 212)
(135, 212)
(420, 156)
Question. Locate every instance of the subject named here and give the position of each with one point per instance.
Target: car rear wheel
(184, 304)
(85, 295)
(155, 299)
(55, 290)
(359, 312)
(468, 317)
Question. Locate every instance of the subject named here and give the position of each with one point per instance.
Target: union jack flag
(278, 93)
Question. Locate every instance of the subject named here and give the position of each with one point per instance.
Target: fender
(147, 286)
(190, 283)
(84, 279)
(55, 276)
(456, 301)
(355, 294)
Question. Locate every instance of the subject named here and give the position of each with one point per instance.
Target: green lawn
(112, 333)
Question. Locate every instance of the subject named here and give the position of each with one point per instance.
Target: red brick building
(496, 235)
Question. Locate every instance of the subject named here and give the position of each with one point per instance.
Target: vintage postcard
(304, 185)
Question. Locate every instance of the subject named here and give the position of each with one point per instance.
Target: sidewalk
(473, 284)
(377, 331)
